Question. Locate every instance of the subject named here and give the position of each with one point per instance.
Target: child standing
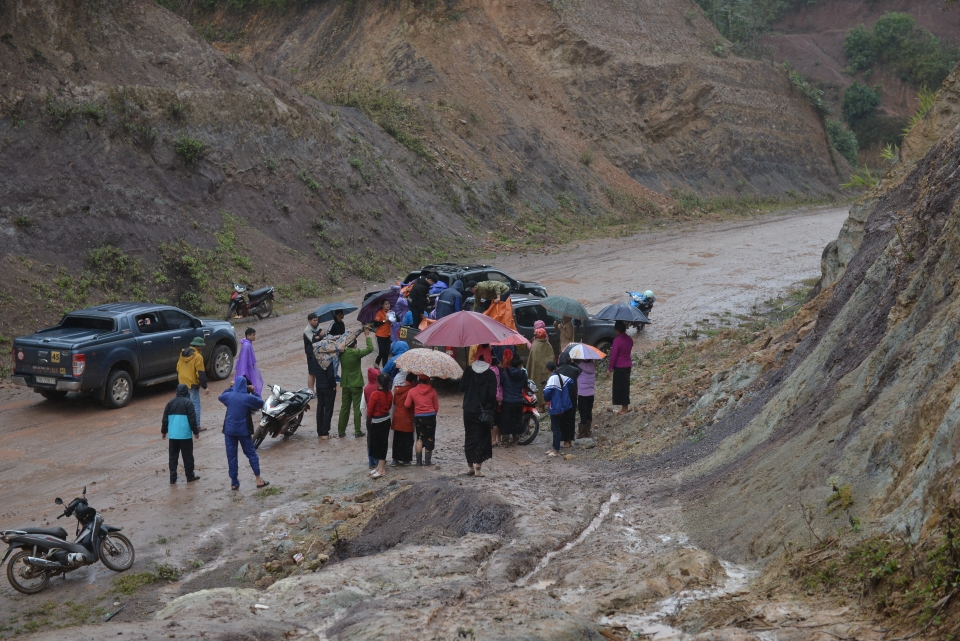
(402, 423)
(425, 403)
(378, 412)
(384, 328)
(558, 396)
(585, 392)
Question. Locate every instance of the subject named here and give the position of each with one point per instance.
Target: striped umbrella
(584, 352)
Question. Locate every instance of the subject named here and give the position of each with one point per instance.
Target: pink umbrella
(463, 329)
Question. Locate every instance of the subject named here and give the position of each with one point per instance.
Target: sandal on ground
(265, 484)
(479, 474)
(234, 487)
(377, 475)
(552, 453)
(471, 472)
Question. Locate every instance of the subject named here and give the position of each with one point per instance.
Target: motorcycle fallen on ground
(282, 413)
(258, 303)
(36, 554)
(530, 415)
(644, 302)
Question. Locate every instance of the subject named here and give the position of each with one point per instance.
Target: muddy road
(50, 449)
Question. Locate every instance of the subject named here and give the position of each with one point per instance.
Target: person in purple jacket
(585, 393)
(247, 361)
(620, 364)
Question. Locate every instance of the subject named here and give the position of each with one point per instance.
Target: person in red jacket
(378, 415)
(368, 390)
(402, 422)
(425, 403)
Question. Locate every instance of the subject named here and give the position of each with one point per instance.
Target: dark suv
(450, 272)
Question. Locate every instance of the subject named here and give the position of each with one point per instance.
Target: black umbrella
(622, 312)
(325, 312)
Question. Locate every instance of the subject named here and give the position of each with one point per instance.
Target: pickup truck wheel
(52, 395)
(221, 363)
(118, 390)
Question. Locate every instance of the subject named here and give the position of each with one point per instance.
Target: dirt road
(50, 449)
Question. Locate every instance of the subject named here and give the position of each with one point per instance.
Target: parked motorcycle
(47, 552)
(282, 414)
(259, 302)
(644, 302)
(530, 416)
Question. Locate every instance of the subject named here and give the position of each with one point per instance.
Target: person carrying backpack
(557, 394)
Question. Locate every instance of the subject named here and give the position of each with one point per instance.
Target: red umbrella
(463, 329)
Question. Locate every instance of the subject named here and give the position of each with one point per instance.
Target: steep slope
(566, 91)
(868, 397)
(138, 161)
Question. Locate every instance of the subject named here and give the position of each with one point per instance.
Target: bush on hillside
(859, 103)
(843, 140)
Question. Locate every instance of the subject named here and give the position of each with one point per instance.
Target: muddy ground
(635, 554)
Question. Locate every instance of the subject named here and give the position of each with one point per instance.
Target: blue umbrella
(622, 312)
(325, 312)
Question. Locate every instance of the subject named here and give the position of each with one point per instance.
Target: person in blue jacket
(241, 402)
(180, 426)
(450, 300)
(396, 351)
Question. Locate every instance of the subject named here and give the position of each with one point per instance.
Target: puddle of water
(594, 524)
(652, 625)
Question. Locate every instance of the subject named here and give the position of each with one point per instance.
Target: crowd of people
(401, 403)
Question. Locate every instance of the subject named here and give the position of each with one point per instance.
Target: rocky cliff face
(586, 93)
(868, 396)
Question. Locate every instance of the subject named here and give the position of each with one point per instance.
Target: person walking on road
(620, 364)
(384, 327)
(479, 387)
(378, 411)
(585, 393)
(247, 361)
(402, 423)
(191, 372)
(541, 353)
(241, 402)
(180, 427)
(425, 403)
(311, 334)
(351, 385)
(557, 394)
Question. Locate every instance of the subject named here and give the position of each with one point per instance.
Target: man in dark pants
(419, 296)
(326, 395)
(180, 426)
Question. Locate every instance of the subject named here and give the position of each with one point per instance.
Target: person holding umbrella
(621, 363)
(565, 327)
(311, 334)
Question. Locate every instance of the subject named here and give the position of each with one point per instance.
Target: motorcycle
(259, 302)
(47, 552)
(282, 414)
(530, 416)
(644, 302)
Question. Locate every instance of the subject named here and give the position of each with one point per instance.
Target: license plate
(46, 380)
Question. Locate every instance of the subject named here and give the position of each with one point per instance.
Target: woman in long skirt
(620, 364)
(514, 379)
(479, 387)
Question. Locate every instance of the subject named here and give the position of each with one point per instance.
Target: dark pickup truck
(526, 311)
(110, 348)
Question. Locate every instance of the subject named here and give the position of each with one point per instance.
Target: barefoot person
(479, 387)
(241, 402)
(620, 364)
(425, 403)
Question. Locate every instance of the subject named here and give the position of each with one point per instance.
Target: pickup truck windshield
(88, 322)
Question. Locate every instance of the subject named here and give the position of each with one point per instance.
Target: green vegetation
(842, 139)
(308, 180)
(191, 150)
(388, 108)
(272, 490)
(919, 57)
(127, 584)
(860, 103)
(813, 95)
(926, 99)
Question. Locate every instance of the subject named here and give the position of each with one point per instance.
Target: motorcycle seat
(58, 532)
(257, 293)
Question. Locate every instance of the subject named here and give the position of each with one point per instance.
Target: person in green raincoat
(351, 382)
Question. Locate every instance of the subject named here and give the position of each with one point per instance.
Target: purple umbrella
(370, 308)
